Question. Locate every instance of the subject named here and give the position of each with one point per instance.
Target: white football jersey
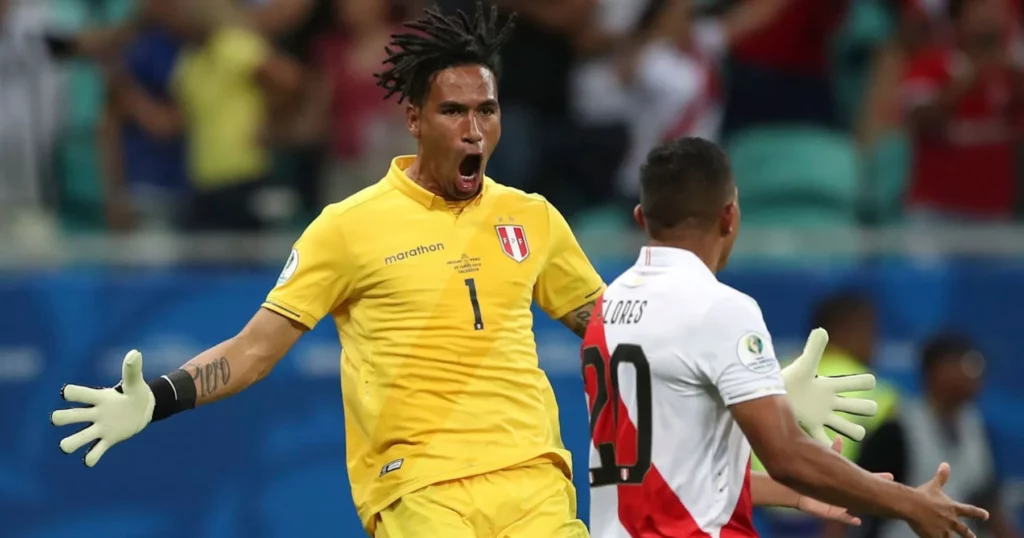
(669, 349)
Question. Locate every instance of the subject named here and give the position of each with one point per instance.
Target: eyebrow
(458, 105)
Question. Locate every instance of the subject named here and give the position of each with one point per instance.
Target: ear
(728, 219)
(638, 216)
(413, 115)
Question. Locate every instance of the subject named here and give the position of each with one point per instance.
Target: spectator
(781, 73)
(669, 86)
(943, 425)
(224, 81)
(851, 322)
(366, 130)
(961, 100)
(27, 124)
(142, 150)
(301, 129)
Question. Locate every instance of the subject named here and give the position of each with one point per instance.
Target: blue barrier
(270, 462)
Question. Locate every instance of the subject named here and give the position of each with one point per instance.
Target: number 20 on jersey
(613, 433)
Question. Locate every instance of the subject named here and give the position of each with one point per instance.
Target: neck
(422, 177)
(703, 245)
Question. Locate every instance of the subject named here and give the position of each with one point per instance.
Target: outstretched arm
(115, 414)
(306, 291)
(765, 491)
(239, 362)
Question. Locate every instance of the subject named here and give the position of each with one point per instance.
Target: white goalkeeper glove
(115, 415)
(816, 399)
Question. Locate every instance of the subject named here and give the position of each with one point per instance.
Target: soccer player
(451, 427)
(680, 374)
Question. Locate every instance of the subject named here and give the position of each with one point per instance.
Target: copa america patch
(756, 354)
(289, 267)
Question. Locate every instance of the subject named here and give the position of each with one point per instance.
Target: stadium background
(81, 283)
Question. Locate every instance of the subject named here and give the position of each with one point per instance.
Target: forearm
(765, 491)
(814, 471)
(221, 371)
(578, 319)
(224, 370)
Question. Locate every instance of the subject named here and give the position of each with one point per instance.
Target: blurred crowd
(247, 115)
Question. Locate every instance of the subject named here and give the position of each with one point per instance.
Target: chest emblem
(513, 241)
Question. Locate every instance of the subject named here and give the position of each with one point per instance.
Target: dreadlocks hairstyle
(446, 41)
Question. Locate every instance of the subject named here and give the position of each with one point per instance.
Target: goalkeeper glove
(816, 399)
(116, 413)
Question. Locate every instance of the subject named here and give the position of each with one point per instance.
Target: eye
(451, 112)
(488, 110)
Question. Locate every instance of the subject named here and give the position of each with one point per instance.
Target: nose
(473, 135)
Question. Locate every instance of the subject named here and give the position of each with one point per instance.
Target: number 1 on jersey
(607, 393)
(478, 320)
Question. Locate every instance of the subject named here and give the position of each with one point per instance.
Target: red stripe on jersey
(741, 523)
(506, 241)
(650, 509)
(521, 242)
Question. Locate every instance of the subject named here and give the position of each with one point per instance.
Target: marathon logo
(412, 253)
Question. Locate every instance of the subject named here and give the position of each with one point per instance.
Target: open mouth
(469, 173)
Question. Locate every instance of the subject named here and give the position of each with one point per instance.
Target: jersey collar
(401, 182)
(669, 257)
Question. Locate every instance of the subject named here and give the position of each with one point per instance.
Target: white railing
(155, 249)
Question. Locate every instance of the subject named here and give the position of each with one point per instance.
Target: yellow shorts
(533, 500)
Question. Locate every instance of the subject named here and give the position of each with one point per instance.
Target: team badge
(513, 241)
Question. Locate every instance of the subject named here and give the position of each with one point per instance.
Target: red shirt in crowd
(356, 100)
(969, 167)
(797, 40)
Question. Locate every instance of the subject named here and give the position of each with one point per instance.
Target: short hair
(837, 308)
(441, 42)
(943, 347)
(683, 180)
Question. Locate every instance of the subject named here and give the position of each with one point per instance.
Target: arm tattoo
(578, 319)
(211, 376)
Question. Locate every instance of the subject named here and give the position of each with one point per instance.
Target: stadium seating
(887, 168)
(796, 176)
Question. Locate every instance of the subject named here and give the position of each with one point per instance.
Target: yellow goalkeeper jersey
(432, 300)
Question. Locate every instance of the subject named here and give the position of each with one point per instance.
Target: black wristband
(172, 393)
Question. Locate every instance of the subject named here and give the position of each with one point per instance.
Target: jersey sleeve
(317, 277)
(735, 351)
(567, 281)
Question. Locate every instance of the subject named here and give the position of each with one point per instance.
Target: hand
(827, 511)
(940, 515)
(816, 399)
(115, 413)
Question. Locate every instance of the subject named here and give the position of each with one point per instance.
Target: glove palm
(816, 399)
(115, 415)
